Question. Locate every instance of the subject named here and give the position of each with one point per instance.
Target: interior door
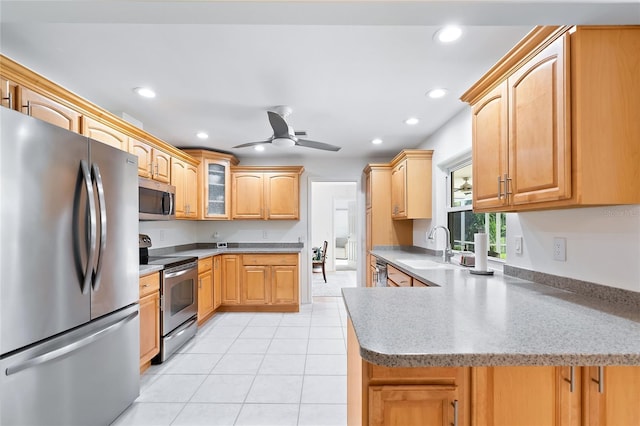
(42, 223)
(115, 280)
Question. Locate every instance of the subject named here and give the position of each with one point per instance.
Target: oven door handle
(177, 274)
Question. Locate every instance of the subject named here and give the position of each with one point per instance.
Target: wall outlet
(161, 235)
(518, 244)
(560, 249)
(265, 235)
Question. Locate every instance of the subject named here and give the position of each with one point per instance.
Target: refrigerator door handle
(95, 174)
(72, 347)
(86, 175)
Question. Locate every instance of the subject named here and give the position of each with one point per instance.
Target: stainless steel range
(178, 298)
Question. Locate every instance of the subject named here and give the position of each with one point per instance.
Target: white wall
(170, 233)
(603, 243)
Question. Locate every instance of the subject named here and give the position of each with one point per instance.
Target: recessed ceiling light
(411, 121)
(259, 147)
(448, 34)
(145, 92)
(437, 93)
(376, 141)
(202, 135)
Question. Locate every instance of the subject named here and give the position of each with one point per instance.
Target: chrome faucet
(447, 253)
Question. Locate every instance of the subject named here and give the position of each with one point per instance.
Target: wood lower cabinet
(269, 193)
(149, 319)
(612, 396)
(430, 396)
(260, 282)
(45, 109)
(397, 278)
(205, 289)
(217, 281)
(526, 395)
(104, 133)
(230, 273)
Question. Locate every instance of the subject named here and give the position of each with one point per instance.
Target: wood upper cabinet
(214, 183)
(205, 289)
(411, 184)
(149, 318)
(553, 121)
(269, 193)
(45, 109)
(8, 93)
(612, 395)
(184, 177)
(531, 395)
(105, 134)
(152, 163)
(230, 272)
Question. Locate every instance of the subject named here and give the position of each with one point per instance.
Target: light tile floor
(253, 369)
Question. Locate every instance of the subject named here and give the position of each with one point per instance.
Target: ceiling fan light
(286, 142)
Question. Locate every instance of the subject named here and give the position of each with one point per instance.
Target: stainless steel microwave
(156, 200)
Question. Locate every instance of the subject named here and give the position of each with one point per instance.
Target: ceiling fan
(465, 187)
(283, 134)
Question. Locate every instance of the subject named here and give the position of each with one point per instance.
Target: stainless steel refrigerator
(69, 326)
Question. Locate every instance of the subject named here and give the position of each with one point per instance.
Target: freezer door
(84, 377)
(115, 270)
(43, 227)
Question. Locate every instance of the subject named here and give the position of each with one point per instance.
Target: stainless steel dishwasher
(380, 276)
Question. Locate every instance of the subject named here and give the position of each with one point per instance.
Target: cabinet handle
(600, 380)
(28, 107)
(157, 173)
(507, 179)
(151, 169)
(571, 379)
(145, 285)
(9, 98)
(499, 188)
(199, 282)
(455, 412)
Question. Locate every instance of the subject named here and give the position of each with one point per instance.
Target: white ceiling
(351, 71)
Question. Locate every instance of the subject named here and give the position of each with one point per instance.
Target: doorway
(334, 219)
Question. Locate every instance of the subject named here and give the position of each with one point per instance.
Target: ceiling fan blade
(279, 126)
(244, 145)
(301, 133)
(317, 145)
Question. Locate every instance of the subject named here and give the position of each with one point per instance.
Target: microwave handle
(171, 203)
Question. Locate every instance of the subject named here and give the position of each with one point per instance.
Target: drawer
(205, 264)
(398, 277)
(418, 283)
(270, 259)
(422, 375)
(149, 284)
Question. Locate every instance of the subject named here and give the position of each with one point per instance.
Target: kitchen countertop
(471, 320)
(149, 269)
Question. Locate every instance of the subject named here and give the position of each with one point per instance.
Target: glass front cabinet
(214, 186)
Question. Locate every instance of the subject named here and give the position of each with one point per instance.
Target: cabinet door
(145, 157)
(105, 134)
(539, 130)
(217, 282)
(205, 295)
(247, 200)
(367, 190)
(617, 400)
(284, 285)
(490, 149)
(178, 172)
(230, 279)
(149, 327)
(161, 166)
(419, 405)
(191, 191)
(7, 93)
(255, 285)
(535, 395)
(398, 190)
(216, 189)
(282, 195)
(45, 109)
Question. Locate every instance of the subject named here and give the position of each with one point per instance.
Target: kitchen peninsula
(488, 350)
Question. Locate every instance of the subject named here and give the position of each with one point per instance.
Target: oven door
(179, 297)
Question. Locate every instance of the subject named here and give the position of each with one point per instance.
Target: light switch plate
(518, 244)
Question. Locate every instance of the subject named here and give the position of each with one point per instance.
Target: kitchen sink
(424, 264)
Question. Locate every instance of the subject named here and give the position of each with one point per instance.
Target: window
(464, 223)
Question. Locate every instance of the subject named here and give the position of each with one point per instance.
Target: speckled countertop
(474, 320)
(239, 248)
